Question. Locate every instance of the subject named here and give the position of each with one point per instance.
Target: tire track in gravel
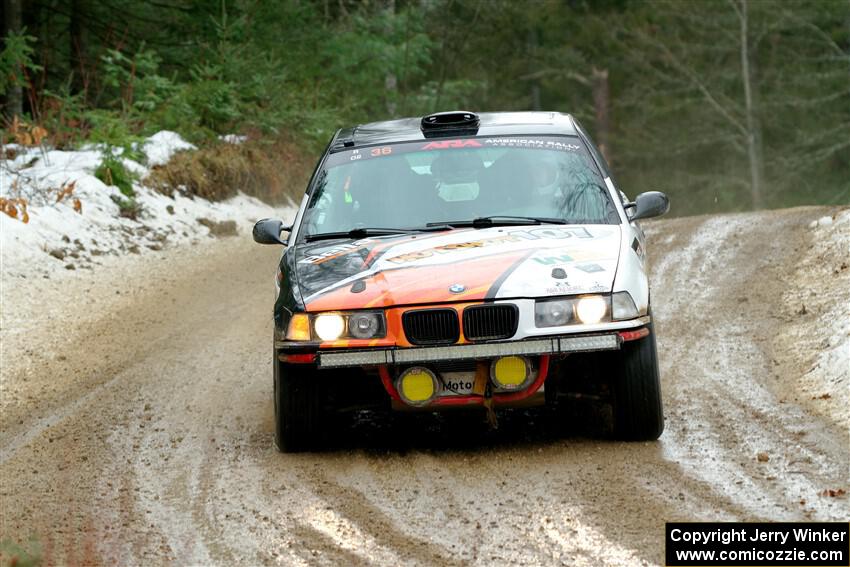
(322, 549)
(729, 273)
(372, 521)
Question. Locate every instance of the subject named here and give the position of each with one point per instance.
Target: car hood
(457, 265)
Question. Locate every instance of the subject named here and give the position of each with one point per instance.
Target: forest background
(724, 104)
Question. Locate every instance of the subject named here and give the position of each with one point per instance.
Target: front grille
(490, 322)
(431, 326)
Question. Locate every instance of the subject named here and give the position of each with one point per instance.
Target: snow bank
(161, 146)
(59, 237)
(825, 276)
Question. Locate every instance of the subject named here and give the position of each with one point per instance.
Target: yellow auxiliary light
(417, 386)
(510, 372)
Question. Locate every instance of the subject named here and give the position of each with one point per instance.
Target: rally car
(463, 260)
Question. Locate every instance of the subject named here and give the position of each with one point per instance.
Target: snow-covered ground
(818, 300)
(60, 236)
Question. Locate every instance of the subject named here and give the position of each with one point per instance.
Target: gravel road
(136, 424)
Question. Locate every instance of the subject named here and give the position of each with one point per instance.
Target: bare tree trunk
(14, 97)
(76, 49)
(535, 97)
(754, 141)
(535, 82)
(391, 79)
(391, 93)
(404, 69)
(601, 104)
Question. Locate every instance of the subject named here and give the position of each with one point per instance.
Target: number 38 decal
(385, 151)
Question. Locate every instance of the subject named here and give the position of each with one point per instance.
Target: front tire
(298, 404)
(636, 391)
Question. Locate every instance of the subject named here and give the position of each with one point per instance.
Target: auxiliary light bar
(552, 345)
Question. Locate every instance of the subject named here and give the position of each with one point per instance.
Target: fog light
(591, 309)
(510, 372)
(417, 386)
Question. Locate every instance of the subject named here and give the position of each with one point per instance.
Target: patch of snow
(135, 168)
(58, 237)
(233, 138)
(161, 146)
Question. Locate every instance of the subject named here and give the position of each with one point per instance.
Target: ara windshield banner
(568, 144)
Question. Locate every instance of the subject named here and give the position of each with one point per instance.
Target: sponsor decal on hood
(461, 265)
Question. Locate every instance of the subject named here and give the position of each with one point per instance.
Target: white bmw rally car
(463, 260)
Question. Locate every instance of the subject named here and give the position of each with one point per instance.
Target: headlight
(366, 325)
(334, 326)
(553, 313)
(623, 306)
(329, 327)
(591, 309)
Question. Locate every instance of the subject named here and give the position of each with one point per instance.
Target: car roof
(490, 124)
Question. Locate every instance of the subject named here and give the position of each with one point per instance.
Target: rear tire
(298, 407)
(636, 391)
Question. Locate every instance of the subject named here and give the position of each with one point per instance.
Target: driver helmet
(546, 174)
(453, 167)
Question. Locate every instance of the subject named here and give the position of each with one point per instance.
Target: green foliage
(62, 114)
(378, 55)
(16, 60)
(21, 555)
(108, 127)
(137, 79)
(214, 100)
(113, 172)
(298, 70)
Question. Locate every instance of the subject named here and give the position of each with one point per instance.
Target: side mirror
(648, 205)
(267, 231)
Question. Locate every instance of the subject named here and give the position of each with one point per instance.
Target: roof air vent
(442, 122)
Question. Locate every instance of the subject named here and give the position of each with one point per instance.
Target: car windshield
(415, 184)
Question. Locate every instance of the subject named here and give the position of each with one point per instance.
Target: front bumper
(604, 336)
(395, 356)
(384, 359)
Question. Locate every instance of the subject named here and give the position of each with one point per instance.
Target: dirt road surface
(136, 423)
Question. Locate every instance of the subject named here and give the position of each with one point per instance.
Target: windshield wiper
(363, 232)
(498, 220)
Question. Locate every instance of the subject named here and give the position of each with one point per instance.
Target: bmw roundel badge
(457, 288)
